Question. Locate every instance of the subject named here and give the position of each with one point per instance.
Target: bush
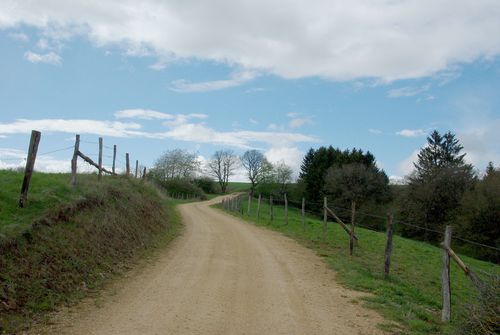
(207, 185)
(482, 317)
(182, 186)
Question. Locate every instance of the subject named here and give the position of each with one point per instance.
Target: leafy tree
(282, 176)
(479, 216)
(257, 167)
(357, 183)
(436, 186)
(222, 166)
(175, 164)
(317, 162)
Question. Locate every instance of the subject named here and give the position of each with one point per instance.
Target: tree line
(443, 188)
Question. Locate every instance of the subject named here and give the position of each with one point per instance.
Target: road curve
(225, 276)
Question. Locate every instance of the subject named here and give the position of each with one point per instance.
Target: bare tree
(282, 175)
(177, 163)
(256, 165)
(222, 166)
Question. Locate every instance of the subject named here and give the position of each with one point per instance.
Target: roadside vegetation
(70, 241)
(411, 296)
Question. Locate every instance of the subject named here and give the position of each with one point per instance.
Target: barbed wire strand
(280, 201)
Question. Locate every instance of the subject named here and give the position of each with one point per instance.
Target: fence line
(77, 153)
(234, 203)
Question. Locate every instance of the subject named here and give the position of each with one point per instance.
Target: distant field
(238, 187)
(412, 294)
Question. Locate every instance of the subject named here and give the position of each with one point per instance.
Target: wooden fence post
(271, 213)
(100, 159)
(325, 218)
(388, 246)
(353, 219)
(30, 164)
(114, 159)
(74, 161)
(249, 203)
(303, 213)
(136, 167)
(258, 208)
(286, 210)
(445, 277)
(144, 173)
(127, 164)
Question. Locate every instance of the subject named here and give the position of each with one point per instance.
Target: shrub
(182, 186)
(207, 185)
(482, 317)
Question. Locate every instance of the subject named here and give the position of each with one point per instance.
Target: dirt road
(224, 276)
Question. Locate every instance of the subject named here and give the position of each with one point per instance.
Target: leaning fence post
(303, 213)
(353, 219)
(286, 210)
(258, 208)
(100, 159)
(30, 164)
(114, 159)
(74, 161)
(388, 246)
(249, 203)
(144, 173)
(127, 164)
(325, 218)
(445, 277)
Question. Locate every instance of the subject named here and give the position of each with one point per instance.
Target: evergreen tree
(437, 185)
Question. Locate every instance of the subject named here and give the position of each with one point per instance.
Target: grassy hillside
(412, 294)
(69, 241)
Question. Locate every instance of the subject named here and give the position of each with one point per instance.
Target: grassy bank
(70, 241)
(412, 294)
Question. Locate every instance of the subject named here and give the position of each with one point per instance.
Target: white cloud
(236, 79)
(19, 37)
(292, 156)
(412, 132)
(16, 159)
(201, 133)
(43, 44)
(397, 180)
(145, 114)
(253, 121)
(103, 128)
(299, 122)
(275, 127)
(406, 166)
(179, 129)
(407, 91)
(183, 118)
(481, 143)
(48, 58)
(375, 131)
(387, 40)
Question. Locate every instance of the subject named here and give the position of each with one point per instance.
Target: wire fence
(246, 206)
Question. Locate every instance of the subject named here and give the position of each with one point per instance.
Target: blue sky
(155, 77)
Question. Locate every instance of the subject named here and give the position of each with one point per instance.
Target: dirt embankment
(74, 248)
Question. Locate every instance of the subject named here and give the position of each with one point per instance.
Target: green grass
(70, 241)
(411, 296)
(237, 187)
(46, 191)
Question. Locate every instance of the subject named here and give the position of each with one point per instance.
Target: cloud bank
(382, 39)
